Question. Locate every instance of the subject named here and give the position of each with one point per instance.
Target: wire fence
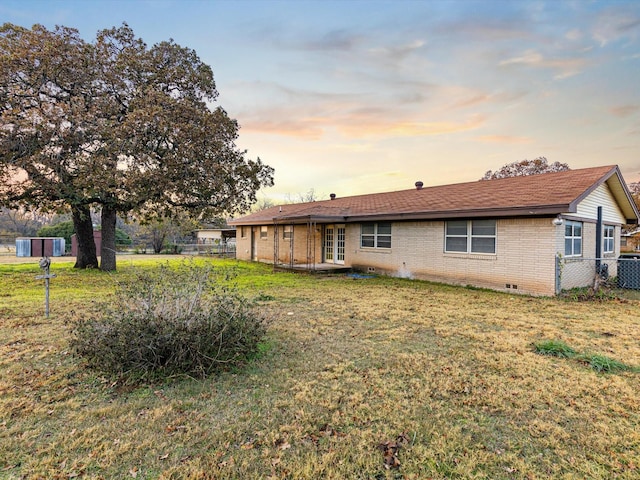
(225, 250)
(221, 249)
(621, 272)
(7, 249)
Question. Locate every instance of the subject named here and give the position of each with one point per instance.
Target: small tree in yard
(161, 232)
(169, 321)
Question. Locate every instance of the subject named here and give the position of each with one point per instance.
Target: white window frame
(469, 236)
(608, 239)
(287, 232)
(378, 239)
(264, 232)
(572, 238)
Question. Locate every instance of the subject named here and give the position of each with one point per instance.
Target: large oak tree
(118, 125)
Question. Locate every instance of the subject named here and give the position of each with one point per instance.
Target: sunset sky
(352, 97)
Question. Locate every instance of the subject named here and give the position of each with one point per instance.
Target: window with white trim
(470, 236)
(287, 232)
(572, 239)
(375, 235)
(263, 231)
(608, 234)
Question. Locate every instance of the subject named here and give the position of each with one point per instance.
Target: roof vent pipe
(332, 196)
(419, 185)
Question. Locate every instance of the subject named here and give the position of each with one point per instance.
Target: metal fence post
(558, 274)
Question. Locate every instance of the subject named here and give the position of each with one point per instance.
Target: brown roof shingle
(548, 193)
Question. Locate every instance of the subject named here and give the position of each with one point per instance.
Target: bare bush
(185, 320)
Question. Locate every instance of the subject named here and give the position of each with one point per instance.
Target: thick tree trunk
(86, 256)
(108, 250)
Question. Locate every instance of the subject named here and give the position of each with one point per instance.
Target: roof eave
(620, 191)
(293, 219)
(524, 211)
(300, 219)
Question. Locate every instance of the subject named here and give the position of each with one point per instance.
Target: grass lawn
(349, 364)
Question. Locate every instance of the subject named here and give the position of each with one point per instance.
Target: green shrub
(556, 348)
(62, 229)
(602, 363)
(185, 320)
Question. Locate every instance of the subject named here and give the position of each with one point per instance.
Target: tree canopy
(19, 223)
(526, 167)
(118, 125)
(634, 188)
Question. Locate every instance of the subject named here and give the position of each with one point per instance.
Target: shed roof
(533, 195)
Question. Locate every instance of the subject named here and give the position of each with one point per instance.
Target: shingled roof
(544, 194)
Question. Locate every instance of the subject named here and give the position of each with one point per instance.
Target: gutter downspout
(599, 241)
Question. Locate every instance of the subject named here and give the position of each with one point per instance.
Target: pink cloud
(503, 139)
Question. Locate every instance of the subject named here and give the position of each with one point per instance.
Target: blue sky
(361, 96)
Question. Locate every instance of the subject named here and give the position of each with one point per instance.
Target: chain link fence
(227, 249)
(621, 272)
(7, 245)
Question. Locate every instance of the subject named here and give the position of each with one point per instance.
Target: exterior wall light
(558, 220)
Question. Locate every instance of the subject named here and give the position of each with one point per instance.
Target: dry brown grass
(350, 364)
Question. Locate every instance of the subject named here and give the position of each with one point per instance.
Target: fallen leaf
(390, 450)
(391, 461)
(403, 439)
(173, 429)
(282, 444)
(159, 394)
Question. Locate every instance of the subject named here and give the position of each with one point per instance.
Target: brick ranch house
(505, 234)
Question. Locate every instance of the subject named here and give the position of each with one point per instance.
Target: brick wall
(264, 247)
(524, 261)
